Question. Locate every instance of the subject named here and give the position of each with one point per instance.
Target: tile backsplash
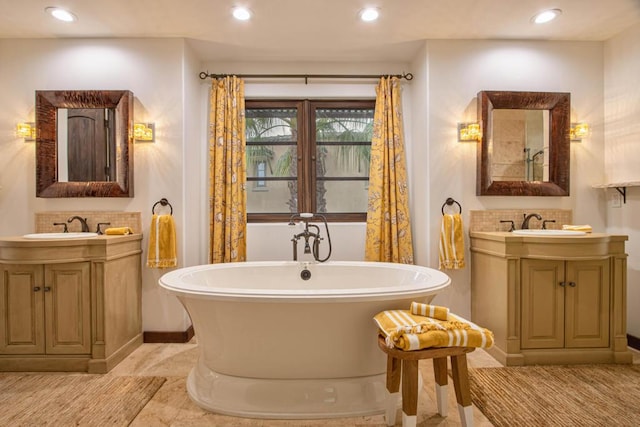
(489, 220)
(44, 220)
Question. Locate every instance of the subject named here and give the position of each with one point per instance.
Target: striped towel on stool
(408, 331)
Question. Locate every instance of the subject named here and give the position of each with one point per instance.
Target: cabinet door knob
(47, 288)
(572, 284)
(563, 284)
(36, 288)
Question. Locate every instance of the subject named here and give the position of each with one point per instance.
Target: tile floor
(171, 405)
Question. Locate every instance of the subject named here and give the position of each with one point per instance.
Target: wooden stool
(409, 371)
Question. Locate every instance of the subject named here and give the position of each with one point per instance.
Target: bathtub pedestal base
(288, 398)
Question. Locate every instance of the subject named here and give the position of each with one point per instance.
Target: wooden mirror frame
(559, 106)
(47, 103)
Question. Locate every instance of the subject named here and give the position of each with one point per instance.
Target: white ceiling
(318, 30)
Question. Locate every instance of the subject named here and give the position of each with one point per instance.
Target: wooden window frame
(306, 149)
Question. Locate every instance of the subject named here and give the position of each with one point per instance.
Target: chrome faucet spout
(527, 218)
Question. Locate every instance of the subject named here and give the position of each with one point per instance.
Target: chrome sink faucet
(83, 222)
(527, 218)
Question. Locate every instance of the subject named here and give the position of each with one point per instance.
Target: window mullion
(307, 175)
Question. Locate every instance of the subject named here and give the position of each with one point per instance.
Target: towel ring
(162, 202)
(450, 202)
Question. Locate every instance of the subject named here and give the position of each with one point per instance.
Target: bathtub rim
(440, 281)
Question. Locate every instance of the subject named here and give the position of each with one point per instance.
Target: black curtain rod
(306, 77)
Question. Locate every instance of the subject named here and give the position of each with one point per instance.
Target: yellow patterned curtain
(388, 222)
(227, 171)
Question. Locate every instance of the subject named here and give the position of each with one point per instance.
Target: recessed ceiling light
(369, 14)
(546, 16)
(241, 13)
(61, 14)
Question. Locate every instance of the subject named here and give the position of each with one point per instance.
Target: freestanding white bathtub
(273, 345)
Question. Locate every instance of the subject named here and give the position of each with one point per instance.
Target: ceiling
(318, 30)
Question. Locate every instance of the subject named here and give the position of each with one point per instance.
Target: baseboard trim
(169, 337)
(633, 342)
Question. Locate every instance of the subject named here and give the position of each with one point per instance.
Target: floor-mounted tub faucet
(311, 235)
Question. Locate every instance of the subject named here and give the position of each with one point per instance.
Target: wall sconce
(578, 131)
(469, 132)
(27, 131)
(144, 132)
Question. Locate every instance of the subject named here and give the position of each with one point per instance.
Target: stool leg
(409, 392)
(461, 384)
(440, 374)
(393, 387)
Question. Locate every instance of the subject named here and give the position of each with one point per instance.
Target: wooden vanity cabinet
(45, 309)
(69, 305)
(565, 304)
(551, 300)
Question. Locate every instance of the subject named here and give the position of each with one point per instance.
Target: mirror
(84, 143)
(525, 147)
(519, 144)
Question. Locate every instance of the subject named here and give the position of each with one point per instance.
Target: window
(261, 172)
(308, 156)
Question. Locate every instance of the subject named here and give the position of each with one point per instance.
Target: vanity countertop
(21, 249)
(505, 244)
(95, 240)
(508, 236)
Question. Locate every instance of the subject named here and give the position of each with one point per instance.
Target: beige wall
(451, 73)
(162, 74)
(154, 70)
(622, 153)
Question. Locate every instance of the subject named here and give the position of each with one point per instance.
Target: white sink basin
(549, 233)
(59, 236)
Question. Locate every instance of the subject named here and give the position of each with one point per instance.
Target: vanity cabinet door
(45, 309)
(543, 300)
(587, 304)
(21, 309)
(565, 304)
(67, 303)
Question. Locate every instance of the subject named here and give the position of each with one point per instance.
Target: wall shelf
(621, 187)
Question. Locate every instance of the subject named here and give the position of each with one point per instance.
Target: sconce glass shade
(26, 131)
(578, 131)
(144, 132)
(469, 132)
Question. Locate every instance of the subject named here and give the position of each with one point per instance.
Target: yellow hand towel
(162, 242)
(586, 228)
(114, 231)
(451, 242)
(433, 311)
(412, 332)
